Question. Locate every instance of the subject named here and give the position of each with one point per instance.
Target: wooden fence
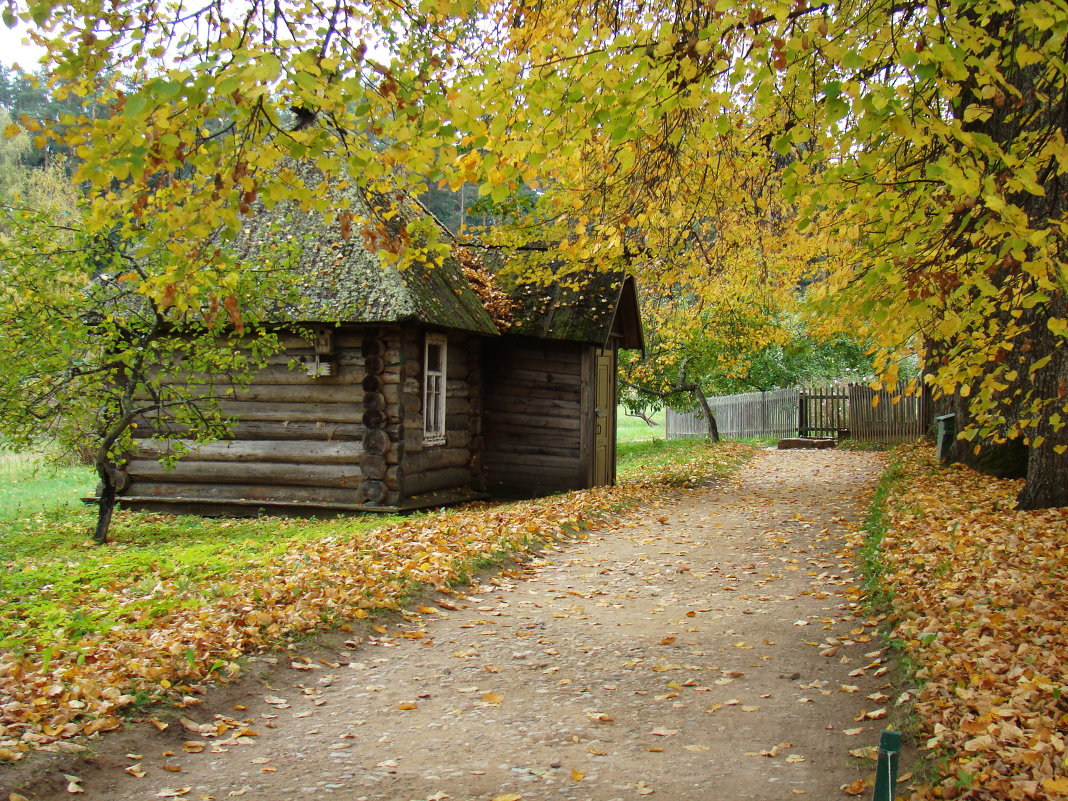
(832, 410)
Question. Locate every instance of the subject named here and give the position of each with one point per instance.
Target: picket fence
(829, 410)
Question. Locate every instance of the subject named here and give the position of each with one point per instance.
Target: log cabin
(397, 389)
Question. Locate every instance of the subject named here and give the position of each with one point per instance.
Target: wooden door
(604, 462)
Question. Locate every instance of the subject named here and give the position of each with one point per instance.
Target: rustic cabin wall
(534, 419)
(298, 439)
(448, 465)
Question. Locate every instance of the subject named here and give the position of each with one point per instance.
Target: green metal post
(886, 770)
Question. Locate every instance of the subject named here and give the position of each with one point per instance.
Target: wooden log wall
(355, 437)
(532, 425)
(298, 438)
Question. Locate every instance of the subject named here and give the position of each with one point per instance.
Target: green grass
(33, 482)
(681, 462)
(56, 585)
(634, 429)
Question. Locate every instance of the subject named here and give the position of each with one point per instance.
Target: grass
(57, 585)
(33, 482)
(634, 429)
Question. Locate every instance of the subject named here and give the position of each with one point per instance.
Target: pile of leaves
(165, 639)
(980, 596)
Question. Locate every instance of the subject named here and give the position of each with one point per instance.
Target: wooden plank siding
(829, 410)
(533, 416)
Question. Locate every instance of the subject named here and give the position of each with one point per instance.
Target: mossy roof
(581, 307)
(345, 274)
(339, 278)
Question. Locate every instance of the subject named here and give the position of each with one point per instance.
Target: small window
(434, 390)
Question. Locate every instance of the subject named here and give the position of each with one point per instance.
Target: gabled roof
(343, 273)
(587, 307)
(344, 279)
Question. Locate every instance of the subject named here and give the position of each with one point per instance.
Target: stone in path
(709, 649)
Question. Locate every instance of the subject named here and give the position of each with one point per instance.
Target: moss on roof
(346, 270)
(580, 307)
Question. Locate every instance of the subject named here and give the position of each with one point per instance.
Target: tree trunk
(1047, 471)
(105, 504)
(710, 418)
(1047, 475)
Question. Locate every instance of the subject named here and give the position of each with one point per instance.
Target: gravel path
(710, 649)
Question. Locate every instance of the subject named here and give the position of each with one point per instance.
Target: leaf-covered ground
(92, 632)
(712, 647)
(980, 598)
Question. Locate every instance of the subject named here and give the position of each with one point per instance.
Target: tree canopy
(905, 159)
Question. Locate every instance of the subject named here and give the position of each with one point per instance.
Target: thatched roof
(581, 307)
(344, 272)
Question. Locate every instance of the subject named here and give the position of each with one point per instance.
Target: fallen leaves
(980, 606)
(50, 691)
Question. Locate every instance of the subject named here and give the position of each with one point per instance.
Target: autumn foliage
(980, 604)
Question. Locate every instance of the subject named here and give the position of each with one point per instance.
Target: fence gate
(831, 410)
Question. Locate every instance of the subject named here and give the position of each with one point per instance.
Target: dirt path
(657, 658)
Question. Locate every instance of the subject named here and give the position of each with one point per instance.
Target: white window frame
(434, 390)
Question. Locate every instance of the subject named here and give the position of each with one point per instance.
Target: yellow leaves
(958, 556)
(859, 787)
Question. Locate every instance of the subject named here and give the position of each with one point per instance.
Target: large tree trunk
(1047, 470)
(1047, 475)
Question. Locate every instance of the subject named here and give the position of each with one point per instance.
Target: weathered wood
(282, 473)
(293, 451)
(429, 481)
(565, 364)
(221, 492)
(412, 405)
(520, 448)
(587, 417)
(376, 441)
(373, 465)
(532, 390)
(314, 431)
(435, 458)
(374, 401)
(372, 491)
(375, 419)
(372, 347)
(293, 412)
(372, 383)
(537, 407)
(541, 377)
(524, 424)
(374, 364)
(312, 392)
(565, 463)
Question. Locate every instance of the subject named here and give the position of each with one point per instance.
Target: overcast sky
(13, 51)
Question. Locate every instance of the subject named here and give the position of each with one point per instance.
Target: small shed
(397, 389)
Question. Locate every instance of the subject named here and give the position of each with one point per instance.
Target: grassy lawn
(634, 429)
(31, 483)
